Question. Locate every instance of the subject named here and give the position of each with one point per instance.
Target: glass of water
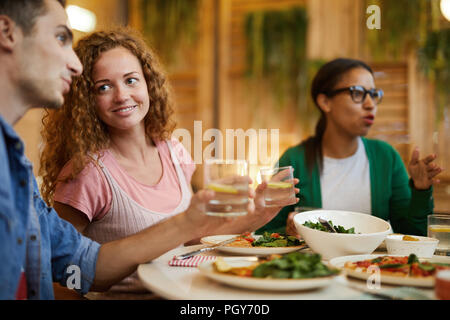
(230, 181)
(439, 228)
(280, 186)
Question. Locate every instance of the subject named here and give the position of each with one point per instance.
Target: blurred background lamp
(445, 9)
(81, 19)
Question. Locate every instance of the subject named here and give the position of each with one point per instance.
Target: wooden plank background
(336, 29)
(209, 83)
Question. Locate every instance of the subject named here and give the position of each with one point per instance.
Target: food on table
(294, 265)
(409, 238)
(319, 226)
(406, 266)
(221, 265)
(267, 240)
(245, 240)
(276, 240)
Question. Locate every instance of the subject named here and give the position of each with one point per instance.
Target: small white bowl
(370, 232)
(424, 248)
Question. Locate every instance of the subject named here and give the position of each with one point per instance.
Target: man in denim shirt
(36, 247)
(37, 63)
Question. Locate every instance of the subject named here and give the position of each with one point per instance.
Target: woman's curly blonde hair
(75, 132)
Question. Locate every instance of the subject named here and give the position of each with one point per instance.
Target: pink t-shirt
(90, 193)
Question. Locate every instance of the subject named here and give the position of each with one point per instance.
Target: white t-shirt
(345, 183)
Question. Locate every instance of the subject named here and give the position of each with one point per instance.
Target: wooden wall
(225, 100)
(210, 86)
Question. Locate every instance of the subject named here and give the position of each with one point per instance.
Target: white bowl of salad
(357, 233)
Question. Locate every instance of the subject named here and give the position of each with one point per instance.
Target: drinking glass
(280, 186)
(229, 179)
(439, 228)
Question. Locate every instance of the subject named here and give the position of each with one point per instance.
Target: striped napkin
(190, 262)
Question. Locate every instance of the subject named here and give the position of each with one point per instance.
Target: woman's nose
(369, 102)
(120, 94)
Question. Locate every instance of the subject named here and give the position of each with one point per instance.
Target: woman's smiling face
(121, 92)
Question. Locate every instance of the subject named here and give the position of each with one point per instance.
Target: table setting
(336, 255)
(192, 272)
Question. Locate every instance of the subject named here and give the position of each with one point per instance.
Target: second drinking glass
(280, 186)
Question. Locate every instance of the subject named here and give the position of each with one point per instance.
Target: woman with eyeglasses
(339, 169)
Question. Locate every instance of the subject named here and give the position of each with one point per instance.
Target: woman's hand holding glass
(257, 213)
(269, 213)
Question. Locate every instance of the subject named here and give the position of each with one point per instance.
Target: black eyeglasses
(358, 93)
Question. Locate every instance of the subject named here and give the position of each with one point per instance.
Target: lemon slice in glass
(222, 188)
(279, 185)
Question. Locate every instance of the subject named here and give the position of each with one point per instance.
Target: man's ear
(323, 102)
(8, 33)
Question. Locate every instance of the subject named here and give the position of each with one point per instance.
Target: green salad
(319, 226)
(294, 265)
(276, 240)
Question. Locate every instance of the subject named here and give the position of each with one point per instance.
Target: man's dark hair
(25, 12)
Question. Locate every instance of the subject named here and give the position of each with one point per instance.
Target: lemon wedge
(409, 238)
(221, 265)
(222, 188)
(279, 185)
(440, 229)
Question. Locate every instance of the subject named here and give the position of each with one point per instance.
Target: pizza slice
(406, 266)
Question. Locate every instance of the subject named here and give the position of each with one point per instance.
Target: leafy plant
(168, 24)
(413, 25)
(403, 23)
(276, 54)
(434, 61)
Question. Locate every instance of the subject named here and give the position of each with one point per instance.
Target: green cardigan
(393, 196)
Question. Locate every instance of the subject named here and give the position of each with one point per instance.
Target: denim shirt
(32, 235)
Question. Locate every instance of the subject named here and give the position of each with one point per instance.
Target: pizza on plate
(246, 240)
(404, 266)
(293, 265)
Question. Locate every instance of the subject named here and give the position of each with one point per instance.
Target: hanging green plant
(403, 23)
(276, 54)
(434, 61)
(414, 25)
(169, 24)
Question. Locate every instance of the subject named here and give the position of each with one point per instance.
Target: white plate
(246, 250)
(207, 269)
(387, 279)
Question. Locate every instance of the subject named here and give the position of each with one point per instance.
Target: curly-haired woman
(109, 166)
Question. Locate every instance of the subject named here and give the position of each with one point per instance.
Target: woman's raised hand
(423, 171)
